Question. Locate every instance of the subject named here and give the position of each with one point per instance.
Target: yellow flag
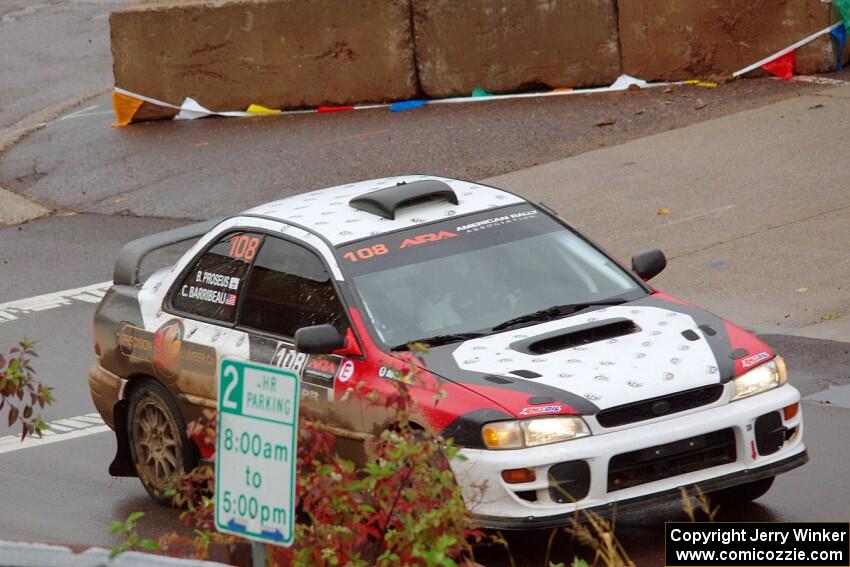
(259, 109)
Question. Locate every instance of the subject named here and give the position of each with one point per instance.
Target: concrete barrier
(511, 45)
(288, 54)
(277, 53)
(676, 39)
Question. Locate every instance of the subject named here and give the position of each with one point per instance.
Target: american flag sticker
(230, 299)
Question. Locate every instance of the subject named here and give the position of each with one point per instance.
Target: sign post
(256, 452)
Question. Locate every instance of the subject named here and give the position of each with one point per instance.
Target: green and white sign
(256, 450)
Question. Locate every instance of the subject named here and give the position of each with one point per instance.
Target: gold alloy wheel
(158, 445)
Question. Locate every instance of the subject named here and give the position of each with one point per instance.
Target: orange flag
(125, 108)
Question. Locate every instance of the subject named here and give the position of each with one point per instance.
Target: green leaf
(132, 518)
(149, 544)
(115, 527)
(120, 548)
(579, 562)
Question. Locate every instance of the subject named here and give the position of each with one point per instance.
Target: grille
(664, 461)
(660, 406)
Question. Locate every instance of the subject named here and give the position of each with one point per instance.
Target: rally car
(569, 382)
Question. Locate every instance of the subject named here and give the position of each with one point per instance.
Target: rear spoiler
(130, 258)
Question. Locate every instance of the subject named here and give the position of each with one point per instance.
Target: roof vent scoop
(385, 202)
(572, 337)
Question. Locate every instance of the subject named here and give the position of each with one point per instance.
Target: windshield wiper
(441, 340)
(555, 312)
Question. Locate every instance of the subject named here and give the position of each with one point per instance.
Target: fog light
(518, 476)
(789, 412)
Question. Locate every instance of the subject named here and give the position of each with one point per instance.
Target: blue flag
(407, 105)
(840, 35)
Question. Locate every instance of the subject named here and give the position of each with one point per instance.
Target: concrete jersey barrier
(291, 54)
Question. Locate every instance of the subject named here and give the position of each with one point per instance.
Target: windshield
(499, 269)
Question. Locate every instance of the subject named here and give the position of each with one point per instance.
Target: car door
(203, 306)
(289, 287)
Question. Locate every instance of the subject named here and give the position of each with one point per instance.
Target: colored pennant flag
(334, 108)
(844, 9)
(259, 109)
(125, 108)
(839, 34)
(782, 67)
(407, 105)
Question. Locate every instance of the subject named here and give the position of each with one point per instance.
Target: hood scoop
(579, 335)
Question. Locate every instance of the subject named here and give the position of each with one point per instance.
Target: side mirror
(318, 339)
(649, 263)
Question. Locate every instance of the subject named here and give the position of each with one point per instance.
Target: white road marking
(11, 310)
(70, 428)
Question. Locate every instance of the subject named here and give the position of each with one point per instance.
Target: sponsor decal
(428, 237)
(498, 221)
(322, 366)
(310, 393)
(346, 371)
(392, 374)
(134, 342)
(754, 359)
(538, 410)
(167, 342)
(167, 351)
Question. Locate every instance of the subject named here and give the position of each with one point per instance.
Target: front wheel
(742, 493)
(161, 452)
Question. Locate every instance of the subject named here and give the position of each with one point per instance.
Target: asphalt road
(755, 183)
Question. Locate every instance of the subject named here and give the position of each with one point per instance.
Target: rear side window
(289, 288)
(211, 288)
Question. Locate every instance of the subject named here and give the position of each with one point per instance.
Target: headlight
(771, 374)
(531, 432)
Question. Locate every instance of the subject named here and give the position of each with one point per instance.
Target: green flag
(844, 8)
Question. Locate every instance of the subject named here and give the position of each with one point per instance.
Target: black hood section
(440, 361)
(712, 326)
(571, 337)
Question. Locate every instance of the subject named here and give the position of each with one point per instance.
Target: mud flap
(122, 464)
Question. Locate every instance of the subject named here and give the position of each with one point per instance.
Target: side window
(213, 285)
(289, 288)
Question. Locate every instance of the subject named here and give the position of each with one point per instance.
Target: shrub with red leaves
(20, 393)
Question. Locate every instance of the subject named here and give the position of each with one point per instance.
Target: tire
(160, 450)
(742, 494)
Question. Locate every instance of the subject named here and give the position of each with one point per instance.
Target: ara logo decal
(537, 410)
(425, 238)
(754, 359)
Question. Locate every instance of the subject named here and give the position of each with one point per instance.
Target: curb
(14, 208)
(15, 554)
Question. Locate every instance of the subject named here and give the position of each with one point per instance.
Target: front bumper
(498, 504)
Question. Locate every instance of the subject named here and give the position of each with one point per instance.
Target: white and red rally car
(570, 383)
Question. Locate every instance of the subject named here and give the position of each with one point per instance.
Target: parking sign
(256, 451)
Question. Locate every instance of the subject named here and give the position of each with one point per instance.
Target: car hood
(600, 359)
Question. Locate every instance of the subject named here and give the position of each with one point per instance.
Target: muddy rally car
(569, 382)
